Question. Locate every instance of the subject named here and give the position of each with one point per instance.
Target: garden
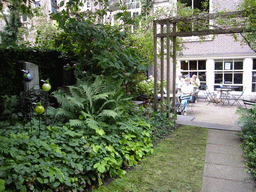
(72, 138)
(77, 137)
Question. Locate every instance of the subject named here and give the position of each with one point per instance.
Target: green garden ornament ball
(46, 86)
(39, 109)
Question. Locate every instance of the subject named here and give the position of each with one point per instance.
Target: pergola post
(168, 69)
(155, 66)
(162, 68)
(174, 70)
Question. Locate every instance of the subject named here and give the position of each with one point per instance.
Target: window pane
(218, 65)
(193, 65)
(253, 76)
(185, 75)
(228, 65)
(237, 88)
(227, 78)
(137, 4)
(184, 65)
(191, 73)
(238, 64)
(218, 78)
(187, 2)
(202, 65)
(254, 64)
(253, 87)
(238, 78)
(202, 76)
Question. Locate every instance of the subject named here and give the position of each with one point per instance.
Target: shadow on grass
(176, 165)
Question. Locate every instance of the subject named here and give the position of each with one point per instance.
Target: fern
(108, 113)
(91, 105)
(76, 123)
(92, 123)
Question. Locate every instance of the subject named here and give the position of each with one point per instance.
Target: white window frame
(228, 69)
(194, 71)
(254, 74)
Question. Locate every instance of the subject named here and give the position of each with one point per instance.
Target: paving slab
(224, 159)
(222, 185)
(227, 172)
(228, 127)
(223, 137)
(224, 149)
(224, 168)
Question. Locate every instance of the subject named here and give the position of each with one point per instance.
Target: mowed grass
(176, 165)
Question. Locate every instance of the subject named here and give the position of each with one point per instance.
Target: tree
(249, 9)
(13, 19)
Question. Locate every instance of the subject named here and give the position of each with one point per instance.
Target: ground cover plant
(95, 133)
(176, 165)
(248, 137)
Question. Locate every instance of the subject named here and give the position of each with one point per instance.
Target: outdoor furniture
(237, 98)
(210, 97)
(225, 94)
(248, 102)
(186, 97)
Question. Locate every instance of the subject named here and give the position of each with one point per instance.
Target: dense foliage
(249, 8)
(16, 8)
(101, 49)
(248, 136)
(50, 63)
(97, 133)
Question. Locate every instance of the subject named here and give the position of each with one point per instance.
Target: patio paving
(224, 169)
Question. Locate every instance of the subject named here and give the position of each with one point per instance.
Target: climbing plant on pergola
(202, 25)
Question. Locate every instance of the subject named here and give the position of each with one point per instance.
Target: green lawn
(176, 165)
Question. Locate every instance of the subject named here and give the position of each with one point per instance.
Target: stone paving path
(224, 169)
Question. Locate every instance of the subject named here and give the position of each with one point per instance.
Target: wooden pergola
(162, 29)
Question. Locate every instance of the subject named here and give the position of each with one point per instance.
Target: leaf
(40, 180)
(108, 113)
(99, 167)
(100, 132)
(92, 123)
(76, 123)
(61, 3)
(56, 184)
(2, 185)
(121, 173)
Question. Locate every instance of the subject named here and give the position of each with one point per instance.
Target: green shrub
(248, 135)
(60, 158)
(98, 138)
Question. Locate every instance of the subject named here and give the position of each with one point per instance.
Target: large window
(132, 4)
(229, 72)
(202, 5)
(54, 6)
(254, 76)
(196, 4)
(197, 67)
(37, 4)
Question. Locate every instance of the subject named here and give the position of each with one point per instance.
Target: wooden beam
(204, 32)
(202, 16)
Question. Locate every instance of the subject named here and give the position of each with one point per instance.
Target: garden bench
(248, 102)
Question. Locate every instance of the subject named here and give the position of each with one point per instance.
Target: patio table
(224, 95)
